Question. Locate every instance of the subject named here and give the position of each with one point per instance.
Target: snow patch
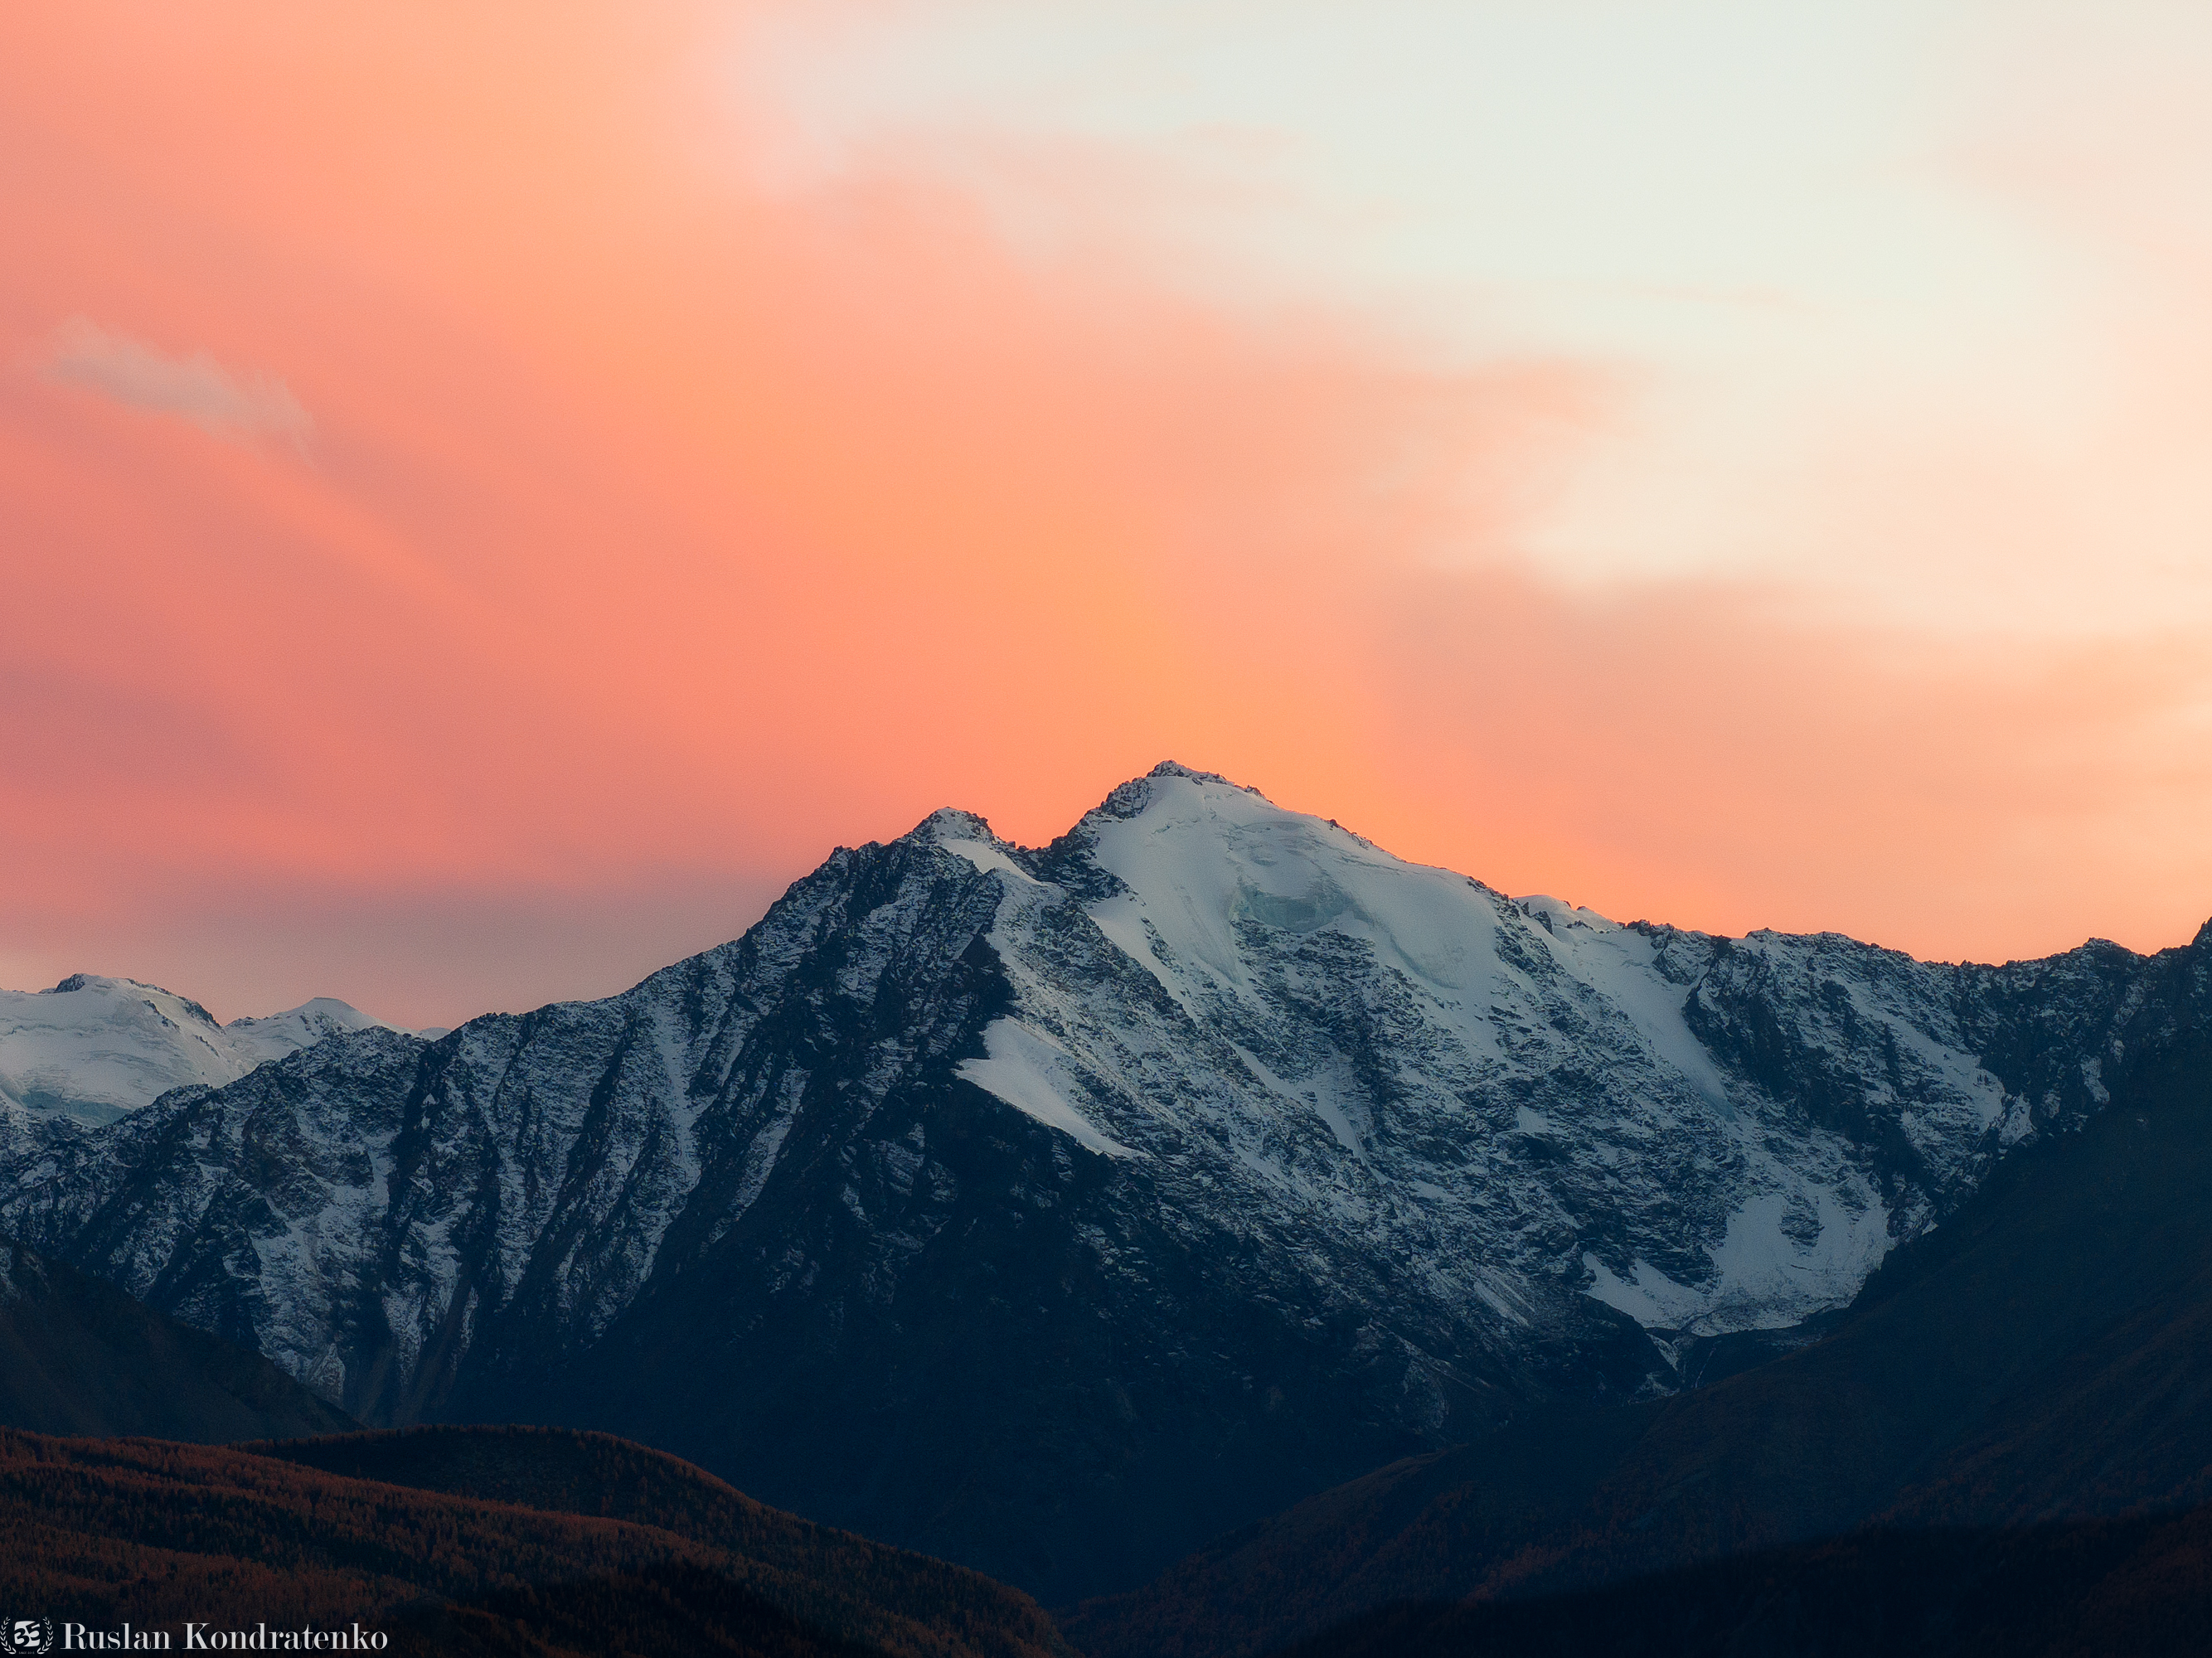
(1024, 1069)
(1764, 1277)
(1649, 1296)
(988, 858)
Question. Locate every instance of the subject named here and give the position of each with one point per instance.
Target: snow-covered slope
(93, 1049)
(1505, 1096)
(1056, 1209)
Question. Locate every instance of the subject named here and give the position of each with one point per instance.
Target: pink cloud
(195, 388)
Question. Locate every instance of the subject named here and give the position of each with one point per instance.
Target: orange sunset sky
(490, 494)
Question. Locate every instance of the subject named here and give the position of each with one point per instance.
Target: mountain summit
(1054, 1209)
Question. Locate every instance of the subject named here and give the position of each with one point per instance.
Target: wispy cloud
(196, 388)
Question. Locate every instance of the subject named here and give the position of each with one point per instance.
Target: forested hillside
(153, 1532)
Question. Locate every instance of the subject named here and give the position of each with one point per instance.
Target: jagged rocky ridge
(1055, 1210)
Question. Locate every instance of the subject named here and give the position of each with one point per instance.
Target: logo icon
(30, 1635)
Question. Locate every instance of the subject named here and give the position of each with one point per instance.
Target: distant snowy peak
(273, 1035)
(94, 1049)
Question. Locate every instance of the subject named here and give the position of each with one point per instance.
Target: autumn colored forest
(512, 1541)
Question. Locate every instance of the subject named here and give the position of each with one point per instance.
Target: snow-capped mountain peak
(1358, 1045)
(272, 1035)
(93, 1048)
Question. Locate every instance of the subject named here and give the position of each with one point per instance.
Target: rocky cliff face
(1054, 1210)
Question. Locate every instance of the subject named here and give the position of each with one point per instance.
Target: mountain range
(1057, 1210)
